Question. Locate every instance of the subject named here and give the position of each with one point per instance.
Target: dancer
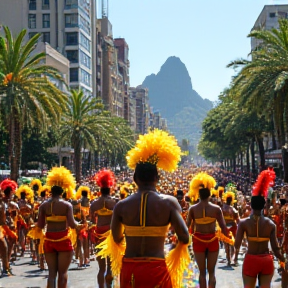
(58, 240)
(145, 227)
(258, 262)
(101, 211)
(83, 196)
(231, 217)
(202, 219)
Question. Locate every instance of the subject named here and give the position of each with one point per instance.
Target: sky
(206, 35)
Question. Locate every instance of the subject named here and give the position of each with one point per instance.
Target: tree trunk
(78, 159)
(241, 161)
(253, 164)
(261, 153)
(234, 164)
(285, 162)
(273, 129)
(15, 143)
(247, 159)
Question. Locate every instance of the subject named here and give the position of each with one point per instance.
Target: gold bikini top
(204, 219)
(143, 230)
(104, 211)
(257, 238)
(229, 218)
(55, 218)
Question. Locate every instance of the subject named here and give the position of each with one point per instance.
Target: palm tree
(85, 124)
(28, 97)
(262, 83)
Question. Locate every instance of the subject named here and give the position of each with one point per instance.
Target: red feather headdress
(8, 183)
(105, 179)
(265, 180)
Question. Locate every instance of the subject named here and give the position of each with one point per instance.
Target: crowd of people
(118, 213)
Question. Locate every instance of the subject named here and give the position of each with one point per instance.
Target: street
(30, 276)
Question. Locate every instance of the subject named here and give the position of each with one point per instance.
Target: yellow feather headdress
(35, 182)
(227, 195)
(60, 176)
(81, 189)
(201, 180)
(214, 192)
(124, 189)
(29, 193)
(46, 189)
(70, 193)
(156, 147)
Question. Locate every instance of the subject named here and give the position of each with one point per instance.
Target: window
(72, 56)
(31, 34)
(71, 20)
(32, 21)
(46, 37)
(46, 20)
(272, 15)
(85, 42)
(74, 74)
(32, 4)
(85, 78)
(71, 4)
(72, 38)
(85, 60)
(45, 5)
(85, 25)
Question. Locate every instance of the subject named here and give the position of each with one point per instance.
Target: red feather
(265, 180)
(8, 183)
(105, 179)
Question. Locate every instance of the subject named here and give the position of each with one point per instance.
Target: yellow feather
(156, 147)
(60, 176)
(81, 189)
(200, 180)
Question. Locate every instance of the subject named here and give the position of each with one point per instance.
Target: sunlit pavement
(30, 276)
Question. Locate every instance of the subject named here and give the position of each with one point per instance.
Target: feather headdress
(201, 180)
(265, 180)
(70, 193)
(105, 179)
(35, 183)
(60, 176)
(81, 189)
(29, 193)
(124, 190)
(7, 183)
(156, 147)
(46, 189)
(214, 192)
(227, 195)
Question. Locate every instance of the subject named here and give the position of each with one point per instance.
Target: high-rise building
(268, 19)
(69, 26)
(123, 69)
(139, 109)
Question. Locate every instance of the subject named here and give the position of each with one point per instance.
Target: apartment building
(268, 19)
(139, 108)
(69, 26)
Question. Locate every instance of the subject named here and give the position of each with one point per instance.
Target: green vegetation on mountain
(171, 93)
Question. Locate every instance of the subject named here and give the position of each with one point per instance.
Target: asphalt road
(26, 275)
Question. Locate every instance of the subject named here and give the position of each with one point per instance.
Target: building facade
(69, 26)
(268, 19)
(139, 116)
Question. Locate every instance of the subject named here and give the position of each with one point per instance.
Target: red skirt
(144, 273)
(57, 246)
(233, 229)
(96, 232)
(254, 265)
(203, 242)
